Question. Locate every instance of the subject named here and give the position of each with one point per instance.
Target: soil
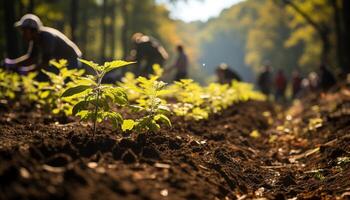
(252, 150)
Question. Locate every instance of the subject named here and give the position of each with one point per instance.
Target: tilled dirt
(298, 153)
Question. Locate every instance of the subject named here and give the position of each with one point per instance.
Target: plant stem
(96, 111)
(97, 101)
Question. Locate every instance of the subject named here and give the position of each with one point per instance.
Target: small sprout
(95, 98)
(315, 123)
(150, 92)
(9, 85)
(128, 125)
(255, 134)
(272, 138)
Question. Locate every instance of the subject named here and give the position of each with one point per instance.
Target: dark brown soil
(44, 157)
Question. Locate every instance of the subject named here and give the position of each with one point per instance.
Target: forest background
(286, 34)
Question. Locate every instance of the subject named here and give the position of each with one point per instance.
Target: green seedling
(49, 93)
(96, 100)
(9, 85)
(30, 87)
(190, 100)
(151, 103)
(129, 82)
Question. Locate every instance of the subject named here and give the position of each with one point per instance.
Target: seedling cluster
(71, 92)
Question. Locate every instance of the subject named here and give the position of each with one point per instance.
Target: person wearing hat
(45, 43)
(146, 51)
(226, 75)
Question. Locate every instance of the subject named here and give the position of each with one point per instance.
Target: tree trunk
(112, 32)
(84, 31)
(74, 19)
(326, 46)
(31, 6)
(103, 31)
(125, 27)
(338, 33)
(10, 32)
(346, 35)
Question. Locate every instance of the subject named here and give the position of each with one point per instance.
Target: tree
(74, 19)
(10, 32)
(103, 31)
(346, 34)
(321, 28)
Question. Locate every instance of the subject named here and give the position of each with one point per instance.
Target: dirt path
(252, 150)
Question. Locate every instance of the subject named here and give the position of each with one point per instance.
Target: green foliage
(189, 96)
(196, 102)
(96, 100)
(49, 93)
(30, 87)
(9, 85)
(151, 103)
(129, 82)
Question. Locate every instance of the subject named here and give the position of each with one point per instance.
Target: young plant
(190, 99)
(95, 100)
(151, 103)
(30, 87)
(9, 85)
(129, 82)
(245, 92)
(49, 92)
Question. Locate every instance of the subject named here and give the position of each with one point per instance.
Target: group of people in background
(47, 43)
(276, 84)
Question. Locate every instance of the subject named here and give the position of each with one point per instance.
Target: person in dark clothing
(296, 83)
(327, 79)
(44, 44)
(280, 86)
(226, 75)
(264, 80)
(181, 64)
(146, 51)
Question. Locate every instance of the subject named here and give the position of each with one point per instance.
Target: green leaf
(108, 66)
(75, 90)
(128, 125)
(79, 107)
(91, 64)
(116, 118)
(164, 119)
(153, 126)
(85, 115)
(51, 75)
(85, 81)
(116, 94)
(44, 94)
(136, 108)
(55, 111)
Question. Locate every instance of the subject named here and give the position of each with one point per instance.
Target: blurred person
(226, 75)
(313, 80)
(264, 80)
(280, 86)
(146, 51)
(181, 64)
(296, 83)
(45, 43)
(327, 79)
